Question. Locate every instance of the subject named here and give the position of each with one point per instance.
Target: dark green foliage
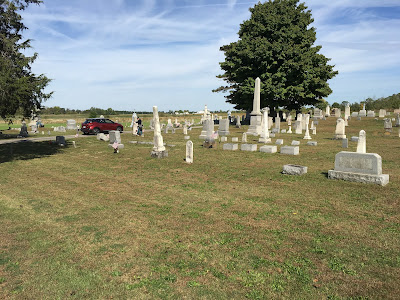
(276, 44)
(20, 89)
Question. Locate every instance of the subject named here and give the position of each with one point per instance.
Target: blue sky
(133, 54)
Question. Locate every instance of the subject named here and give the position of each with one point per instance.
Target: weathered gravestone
(340, 129)
(115, 138)
(189, 152)
(158, 148)
(388, 125)
(71, 125)
(60, 140)
(294, 170)
(359, 167)
(223, 129)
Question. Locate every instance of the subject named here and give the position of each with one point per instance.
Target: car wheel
(119, 128)
(96, 130)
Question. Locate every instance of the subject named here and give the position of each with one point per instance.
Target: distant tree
(19, 87)
(335, 105)
(277, 45)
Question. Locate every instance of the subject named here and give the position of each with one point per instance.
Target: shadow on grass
(325, 174)
(27, 150)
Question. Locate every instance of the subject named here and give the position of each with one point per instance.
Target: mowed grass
(86, 223)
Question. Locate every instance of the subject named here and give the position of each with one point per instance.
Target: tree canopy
(20, 89)
(277, 45)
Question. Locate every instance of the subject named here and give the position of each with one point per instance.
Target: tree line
(388, 103)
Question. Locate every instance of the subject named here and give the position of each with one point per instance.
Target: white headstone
(362, 142)
(244, 137)
(158, 139)
(340, 129)
(189, 152)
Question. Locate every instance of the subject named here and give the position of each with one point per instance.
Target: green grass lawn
(86, 223)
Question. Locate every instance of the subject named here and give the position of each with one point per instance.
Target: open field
(86, 223)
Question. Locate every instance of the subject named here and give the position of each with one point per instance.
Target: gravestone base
(269, 149)
(230, 146)
(248, 147)
(159, 154)
(339, 136)
(294, 170)
(312, 143)
(382, 179)
(264, 140)
(290, 150)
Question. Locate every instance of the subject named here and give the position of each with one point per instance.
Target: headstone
(115, 136)
(71, 125)
(230, 146)
(290, 150)
(295, 143)
(314, 130)
(158, 150)
(294, 170)
(60, 140)
(307, 134)
(135, 125)
(318, 113)
(359, 167)
(238, 125)
(223, 129)
(235, 139)
(345, 143)
(362, 142)
(362, 113)
(244, 137)
(255, 116)
(279, 142)
(397, 120)
(327, 111)
(189, 152)
(340, 129)
(297, 127)
(371, 114)
(313, 143)
(290, 129)
(283, 131)
(347, 112)
(186, 137)
(278, 123)
(268, 149)
(354, 114)
(382, 113)
(248, 147)
(354, 139)
(208, 128)
(24, 130)
(388, 125)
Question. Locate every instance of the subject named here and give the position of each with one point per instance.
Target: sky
(133, 54)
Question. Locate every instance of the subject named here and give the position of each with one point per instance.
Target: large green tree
(20, 89)
(277, 45)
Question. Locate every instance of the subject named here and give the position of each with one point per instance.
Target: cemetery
(168, 216)
(287, 196)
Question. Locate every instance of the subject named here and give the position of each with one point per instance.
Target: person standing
(140, 126)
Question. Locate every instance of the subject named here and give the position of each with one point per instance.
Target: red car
(98, 125)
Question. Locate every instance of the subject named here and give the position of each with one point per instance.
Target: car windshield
(88, 121)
